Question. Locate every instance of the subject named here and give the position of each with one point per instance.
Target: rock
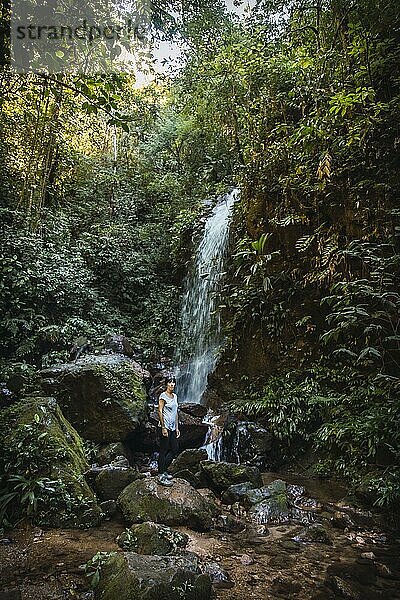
(189, 477)
(295, 493)
(56, 457)
(219, 577)
(246, 560)
(152, 538)
(342, 520)
(229, 524)
(368, 555)
(119, 344)
(131, 576)
(193, 433)
(188, 460)
(247, 443)
(236, 493)
(343, 588)
(316, 533)
(107, 454)
(101, 395)
(221, 475)
(272, 511)
(193, 409)
(278, 486)
(255, 496)
(112, 480)
(181, 504)
(108, 508)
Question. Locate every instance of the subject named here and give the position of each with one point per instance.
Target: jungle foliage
(101, 185)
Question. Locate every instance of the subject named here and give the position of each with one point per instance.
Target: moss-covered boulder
(152, 538)
(43, 462)
(131, 576)
(181, 504)
(103, 396)
(219, 476)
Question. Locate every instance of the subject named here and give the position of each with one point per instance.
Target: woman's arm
(161, 403)
(178, 433)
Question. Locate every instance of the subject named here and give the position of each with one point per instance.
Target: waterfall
(197, 354)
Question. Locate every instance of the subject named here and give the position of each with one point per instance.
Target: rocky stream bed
(343, 552)
(107, 530)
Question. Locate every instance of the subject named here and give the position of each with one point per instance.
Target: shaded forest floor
(360, 563)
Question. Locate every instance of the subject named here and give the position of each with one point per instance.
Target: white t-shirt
(170, 410)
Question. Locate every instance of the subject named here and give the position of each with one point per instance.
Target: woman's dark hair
(170, 379)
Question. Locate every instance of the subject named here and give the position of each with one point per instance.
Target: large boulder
(181, 504)
(109, 452)
(40, 447)
(101, 395)
(219, 476)
(152, 538)
(110, 482)
(131, 576)
(188, 460)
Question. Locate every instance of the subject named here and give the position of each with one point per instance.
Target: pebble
(369, 555)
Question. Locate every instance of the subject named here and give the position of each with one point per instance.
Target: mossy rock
(41, 446)
(188, 460)
(103, 396)
(112, 480)
(181, 504)
(131, 576)
(152, 539)
(221, 475)
(237, 492)
(274, 508)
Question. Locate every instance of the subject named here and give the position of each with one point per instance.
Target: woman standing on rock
(169, 430)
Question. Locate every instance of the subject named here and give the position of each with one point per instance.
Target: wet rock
(109, 453)
(189, 477)
(181, 504)
(60, 458)
(193, 409)
(131, 576)
(316, 533)
(237, 492)
(152, 539)
(273, 510)
(108, 508)
(343, 588)
(229, 524)
(219, 577)
(245, 442)
(255, 496)
(295, 492)
(112, 480)
(221, 475)
(101, 395)
(188, 460)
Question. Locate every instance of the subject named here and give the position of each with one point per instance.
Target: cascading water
(196, 355)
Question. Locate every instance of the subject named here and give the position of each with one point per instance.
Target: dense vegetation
(101, 186)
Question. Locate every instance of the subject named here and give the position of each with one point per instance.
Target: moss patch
(42, 462)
